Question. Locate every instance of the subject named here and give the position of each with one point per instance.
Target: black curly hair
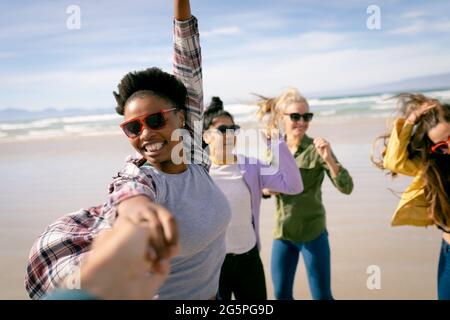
(151, 81)
(214, 110)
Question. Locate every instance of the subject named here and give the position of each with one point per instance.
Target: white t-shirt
(240, 235)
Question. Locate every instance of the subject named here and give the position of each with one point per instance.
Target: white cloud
(321, 72)
(442, 26)
(277, 46)
(414, 14)
(226, 31)
(280, 63)
(243, 52)
(414, 27)
(411, 29)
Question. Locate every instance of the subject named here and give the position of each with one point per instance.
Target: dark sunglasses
(155, 121)
(441, 147)
(223, 128)
(297, 116)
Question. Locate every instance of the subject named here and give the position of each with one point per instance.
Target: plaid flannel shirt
(57, 254)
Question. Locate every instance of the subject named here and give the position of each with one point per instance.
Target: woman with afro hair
(167, 185)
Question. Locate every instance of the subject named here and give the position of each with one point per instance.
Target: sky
(248, 46)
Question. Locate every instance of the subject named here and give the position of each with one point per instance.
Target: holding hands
(131, 260)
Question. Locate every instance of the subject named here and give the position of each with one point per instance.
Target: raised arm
(182, 10)
(396, 157)
(339, 176)
(187, 67)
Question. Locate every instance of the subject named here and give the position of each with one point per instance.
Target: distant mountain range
(425, 83)
(432, 82)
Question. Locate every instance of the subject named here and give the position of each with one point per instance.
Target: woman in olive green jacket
(300, 219)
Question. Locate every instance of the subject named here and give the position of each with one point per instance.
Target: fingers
(160, 228)
(156, 234)
(150, 282)
(426, 107)
(423, 109)
(161, 268)
(321, 143)
(269, 192)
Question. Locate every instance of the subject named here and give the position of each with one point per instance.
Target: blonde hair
(273, 108)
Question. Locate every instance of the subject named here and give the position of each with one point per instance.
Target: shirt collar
(306, 141)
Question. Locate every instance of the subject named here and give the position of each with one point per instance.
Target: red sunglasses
(155, 121)
(441, 147)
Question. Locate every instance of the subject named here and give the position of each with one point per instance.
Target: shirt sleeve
(282, 175)
(133, 180)
(343, 181)
(56, 255)
(187, 67)
(396, 156)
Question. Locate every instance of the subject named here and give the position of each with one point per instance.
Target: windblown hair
(436, 168)
(213, 111)
(150, 82)
(271, 109)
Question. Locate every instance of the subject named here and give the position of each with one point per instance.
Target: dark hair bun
(215, 105)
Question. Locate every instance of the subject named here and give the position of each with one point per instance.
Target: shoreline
(317, 125)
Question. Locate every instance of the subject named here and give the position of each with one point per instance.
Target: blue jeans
(444, 272)
(316, 254)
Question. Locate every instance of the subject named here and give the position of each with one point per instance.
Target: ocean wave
(66, 132)
(48, 123)
(87, 129)
(29, 125)
(327, 113)
(42, 133)
(91, 118)
(346, 100)
(443, 94)
(384, 106)
(241, 109)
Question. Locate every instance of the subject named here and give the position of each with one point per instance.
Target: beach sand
(43, 180)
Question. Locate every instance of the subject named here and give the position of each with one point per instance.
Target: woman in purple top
(242, 180)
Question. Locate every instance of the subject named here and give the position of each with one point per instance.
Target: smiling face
(439, 133)
(156, 145)
(295, 128)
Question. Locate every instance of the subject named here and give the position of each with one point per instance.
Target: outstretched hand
(128, 261)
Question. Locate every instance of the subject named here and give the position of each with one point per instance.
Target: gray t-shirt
(202, 213)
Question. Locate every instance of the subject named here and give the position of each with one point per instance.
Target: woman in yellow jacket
(418, 146)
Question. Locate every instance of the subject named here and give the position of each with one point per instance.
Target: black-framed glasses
(223, 128)
(297, 116)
